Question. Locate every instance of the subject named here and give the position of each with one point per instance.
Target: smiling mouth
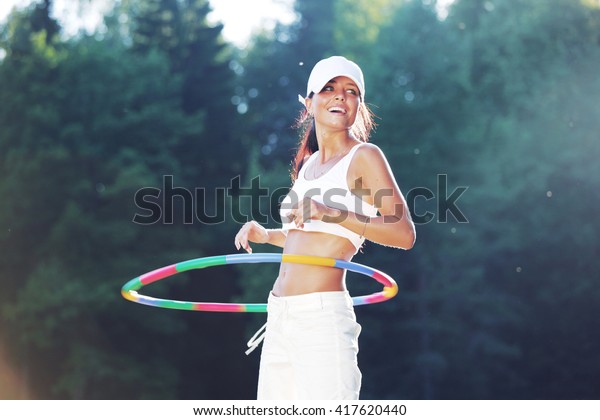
(337, 110)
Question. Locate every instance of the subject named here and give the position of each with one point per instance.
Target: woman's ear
(308, 104)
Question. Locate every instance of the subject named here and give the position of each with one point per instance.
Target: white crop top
(332, 190)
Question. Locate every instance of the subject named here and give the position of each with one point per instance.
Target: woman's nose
(340, 96)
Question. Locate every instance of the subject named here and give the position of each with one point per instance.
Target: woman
(343, 192)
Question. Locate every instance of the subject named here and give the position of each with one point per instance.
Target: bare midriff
(299, 279)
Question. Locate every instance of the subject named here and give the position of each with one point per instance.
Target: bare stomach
(299, 279)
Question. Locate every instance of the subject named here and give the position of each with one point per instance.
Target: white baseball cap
(332, 67)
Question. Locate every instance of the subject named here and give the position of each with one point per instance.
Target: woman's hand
(309, 209)
(251, 232)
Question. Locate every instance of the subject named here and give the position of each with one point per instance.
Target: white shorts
(310, 348)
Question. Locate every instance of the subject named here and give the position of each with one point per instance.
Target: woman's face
(337, 103)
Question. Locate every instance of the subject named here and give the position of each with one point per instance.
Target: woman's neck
(334, 144)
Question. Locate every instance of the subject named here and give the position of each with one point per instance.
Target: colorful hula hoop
(130, 289)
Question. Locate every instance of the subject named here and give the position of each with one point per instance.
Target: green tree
(85, 127)
(497, 116)
(358, 24)
(199, 56)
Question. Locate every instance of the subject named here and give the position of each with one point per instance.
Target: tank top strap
(305, 165)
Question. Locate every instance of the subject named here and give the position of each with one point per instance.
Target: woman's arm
(372, 174)
(253, 232)
(277, 237)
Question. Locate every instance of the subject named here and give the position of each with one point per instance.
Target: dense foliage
(489, 117)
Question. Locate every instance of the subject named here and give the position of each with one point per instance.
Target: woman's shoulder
(369, 152)
(369, 162)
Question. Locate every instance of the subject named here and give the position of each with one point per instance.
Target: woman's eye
(330, 88)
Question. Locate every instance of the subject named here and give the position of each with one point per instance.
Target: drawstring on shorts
(256, 339)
